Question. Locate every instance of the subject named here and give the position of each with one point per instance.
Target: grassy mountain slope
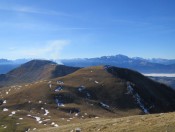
(87, 95)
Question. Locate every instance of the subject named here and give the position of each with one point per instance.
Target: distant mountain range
(8, 65)
(17, 61)
(154, 65)
(135, 63)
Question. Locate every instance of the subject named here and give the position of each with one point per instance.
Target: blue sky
(58, 29)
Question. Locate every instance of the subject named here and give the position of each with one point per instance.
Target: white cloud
(49, 50)
(27, 9)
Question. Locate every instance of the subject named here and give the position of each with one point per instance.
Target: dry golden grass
(141, 123)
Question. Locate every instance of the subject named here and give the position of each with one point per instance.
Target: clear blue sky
(55, 29)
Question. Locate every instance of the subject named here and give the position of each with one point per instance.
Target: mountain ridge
(135, 63)
(35, 70)
(153, 65)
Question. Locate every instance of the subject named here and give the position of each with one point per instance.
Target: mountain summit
(35, 70)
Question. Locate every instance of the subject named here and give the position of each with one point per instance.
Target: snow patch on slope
(136, 97)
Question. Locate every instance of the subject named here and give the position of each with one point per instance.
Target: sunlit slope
(142, 123)
(88, 94)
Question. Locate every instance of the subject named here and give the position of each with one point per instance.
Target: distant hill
(35, 70)
(4, 68)
(8, 65)
(136, 63)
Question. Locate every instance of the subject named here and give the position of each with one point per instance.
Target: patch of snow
(27, 130)
(13, 112)
(40, 101)
(76, 114)
(84, 92)
(50, 85)
(88, 95)
(46, 112)
(59, 103)
(104, 105)
(20, 118)
(53, 123)
(60, 82)
(39, 122)
(96, 82)
(7, 92)
(38, 119)
(5, 109)
(56, 125)
(4, 102)
(58, 89)
(81, 88)
(137, 98)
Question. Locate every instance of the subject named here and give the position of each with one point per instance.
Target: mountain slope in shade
(85, 95)
(35, 70)
(155, 96)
